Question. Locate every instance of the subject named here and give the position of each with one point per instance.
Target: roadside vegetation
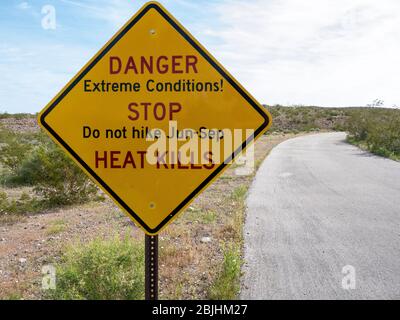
(372, 128)
(32, 160)
(100, 270)
(200, 253)
(376, 130)
(226, 285)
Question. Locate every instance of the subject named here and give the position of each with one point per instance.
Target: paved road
(318, 204)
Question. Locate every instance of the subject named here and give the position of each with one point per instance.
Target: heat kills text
(115, 159)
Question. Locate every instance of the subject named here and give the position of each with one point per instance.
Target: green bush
(14, 150)
(25, 204)
(12, 209)
(3, 200)
(101, 270)
(56, 177)
(377, 129)
(33, 159)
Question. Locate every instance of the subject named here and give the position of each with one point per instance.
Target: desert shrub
(56, 178)
(4, 135)
(33, 159)
(101, 270)
(377, 129)
(358, 125)
(12, 209)
(3, 200)
(13, 150)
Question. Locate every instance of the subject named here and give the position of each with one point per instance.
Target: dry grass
(55, 227)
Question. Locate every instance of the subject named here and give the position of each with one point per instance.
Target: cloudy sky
(310, 52)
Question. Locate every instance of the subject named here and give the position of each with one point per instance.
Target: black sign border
(210, 60)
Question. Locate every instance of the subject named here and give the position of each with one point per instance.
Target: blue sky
(311, 52)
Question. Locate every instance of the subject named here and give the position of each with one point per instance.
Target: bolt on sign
(153, 118)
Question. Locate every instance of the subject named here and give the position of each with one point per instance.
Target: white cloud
(24, 6)
(321, 52)
(114, 12)
(33, 74)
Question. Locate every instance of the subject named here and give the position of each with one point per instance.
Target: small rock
(22, 261)
(205, 239)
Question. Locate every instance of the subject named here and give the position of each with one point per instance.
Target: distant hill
(301, 118)
(284, 119)
(19, 122)
(371, 128)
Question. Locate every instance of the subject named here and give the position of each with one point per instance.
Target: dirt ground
(190, 248)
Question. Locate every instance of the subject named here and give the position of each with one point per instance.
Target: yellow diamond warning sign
(153, 118)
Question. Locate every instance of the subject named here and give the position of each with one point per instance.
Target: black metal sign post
(151, 267)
